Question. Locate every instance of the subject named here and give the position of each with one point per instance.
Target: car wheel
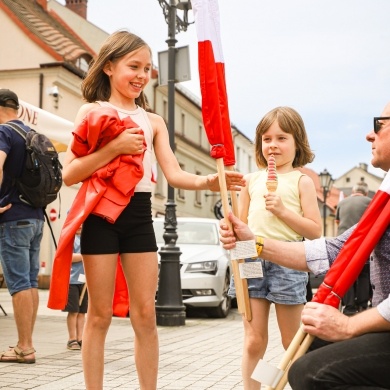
(223, 309)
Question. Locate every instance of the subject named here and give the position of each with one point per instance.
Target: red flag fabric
(215, 110)
(121, 301)
(357, 249)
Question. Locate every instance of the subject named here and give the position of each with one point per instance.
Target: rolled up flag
(357, 249)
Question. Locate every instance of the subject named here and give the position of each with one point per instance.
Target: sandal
(73, 345)
(17, 355)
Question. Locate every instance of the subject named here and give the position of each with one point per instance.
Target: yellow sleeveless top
(261, 221)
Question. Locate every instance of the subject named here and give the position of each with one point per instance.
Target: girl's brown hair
(96, 85)
(290, 122)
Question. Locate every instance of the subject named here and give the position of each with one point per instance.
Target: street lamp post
(170, 310)
(326, 183)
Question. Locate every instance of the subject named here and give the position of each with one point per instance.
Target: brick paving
(203, 354)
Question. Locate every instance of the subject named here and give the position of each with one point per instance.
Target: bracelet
(259, 245)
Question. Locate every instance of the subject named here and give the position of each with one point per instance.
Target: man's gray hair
(360, 187)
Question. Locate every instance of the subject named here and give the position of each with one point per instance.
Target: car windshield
(202, 233)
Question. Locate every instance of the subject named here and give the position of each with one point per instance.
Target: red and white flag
(357, 249)
(215, 109)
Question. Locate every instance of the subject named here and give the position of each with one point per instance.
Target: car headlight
(208, 267)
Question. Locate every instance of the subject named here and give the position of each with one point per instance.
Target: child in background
(76, 312)
(288, 214)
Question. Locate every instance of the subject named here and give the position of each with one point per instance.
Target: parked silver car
(205, 266)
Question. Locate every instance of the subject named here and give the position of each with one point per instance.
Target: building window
(180, 191)
(159, 188)
(238, 152)
(183, 123)
(165, 110)
(201, 132)
(198, 193)
(347, 179)
(249, 164)
(82, 63)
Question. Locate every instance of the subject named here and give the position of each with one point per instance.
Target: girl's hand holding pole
(234, 181)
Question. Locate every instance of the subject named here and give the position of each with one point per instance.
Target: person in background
(21, 230)
(358, 356)
(348, 213)
(290, 213)
(76, 311)
(114, 83)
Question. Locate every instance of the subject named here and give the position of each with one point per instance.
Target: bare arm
(77, 257)
(307, 225)
(3, 157)
(175, 176)
(244, 201)
(77, 169)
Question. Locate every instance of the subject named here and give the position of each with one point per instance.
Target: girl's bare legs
(289, 320)
(100, 274)
(141, 271)
(255, 341)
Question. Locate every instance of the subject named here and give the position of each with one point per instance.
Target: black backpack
(41, 179)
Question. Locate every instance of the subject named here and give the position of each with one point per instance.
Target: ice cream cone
(272, 185)
(272, 179)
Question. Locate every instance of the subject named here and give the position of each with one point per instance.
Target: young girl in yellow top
(288, 214)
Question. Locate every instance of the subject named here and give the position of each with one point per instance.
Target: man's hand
(5, 208)
(241, 232)
(325, 322)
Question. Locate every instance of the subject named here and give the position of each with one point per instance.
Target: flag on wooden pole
(215, 114)
(215, 109)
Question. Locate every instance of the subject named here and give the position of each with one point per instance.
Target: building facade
(56, 45)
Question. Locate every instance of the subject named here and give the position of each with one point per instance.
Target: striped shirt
(321, 253)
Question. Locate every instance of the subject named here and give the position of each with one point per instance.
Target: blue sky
(328, 59)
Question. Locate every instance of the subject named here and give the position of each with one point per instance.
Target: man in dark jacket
(21, 228)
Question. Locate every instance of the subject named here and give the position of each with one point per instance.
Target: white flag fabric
(215, 110)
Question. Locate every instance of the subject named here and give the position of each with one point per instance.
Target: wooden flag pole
(297, 348)
(241, 285)
(82, 293)
(301, 350)
(82, 279)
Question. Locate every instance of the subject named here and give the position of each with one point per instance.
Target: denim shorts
(20, 242)
(278, 284)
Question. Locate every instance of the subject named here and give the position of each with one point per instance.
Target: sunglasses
(378, 125)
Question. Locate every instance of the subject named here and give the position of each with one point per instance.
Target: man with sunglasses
(358, 353)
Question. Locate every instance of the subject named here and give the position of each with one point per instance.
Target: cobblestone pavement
(203, 354)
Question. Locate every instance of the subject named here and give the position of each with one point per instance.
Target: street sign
(53, 215)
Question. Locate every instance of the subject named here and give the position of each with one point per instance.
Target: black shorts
(73, 299)
(132, 232)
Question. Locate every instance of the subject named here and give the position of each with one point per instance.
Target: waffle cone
(272, 185)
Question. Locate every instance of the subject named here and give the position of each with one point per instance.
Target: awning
(58, 129)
